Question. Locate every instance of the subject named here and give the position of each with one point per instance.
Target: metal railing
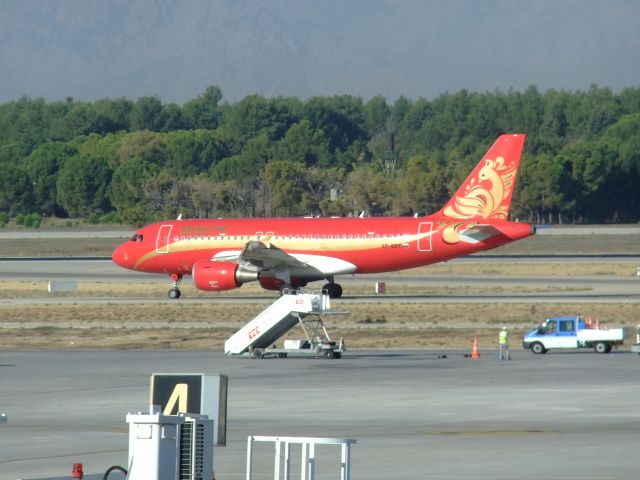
(308, 455)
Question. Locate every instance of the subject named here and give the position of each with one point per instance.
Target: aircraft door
(424, 236)
(162, 242)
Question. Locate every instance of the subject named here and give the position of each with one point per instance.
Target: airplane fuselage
(352, 245)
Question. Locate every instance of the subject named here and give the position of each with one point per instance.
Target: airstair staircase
(277, 319)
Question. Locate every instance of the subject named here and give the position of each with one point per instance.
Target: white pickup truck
(571, 332)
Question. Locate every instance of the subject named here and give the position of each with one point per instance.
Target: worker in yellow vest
(503, 343)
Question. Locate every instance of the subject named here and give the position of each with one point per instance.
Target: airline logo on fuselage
(202, 229)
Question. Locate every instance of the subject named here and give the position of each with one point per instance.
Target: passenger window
(566, 326)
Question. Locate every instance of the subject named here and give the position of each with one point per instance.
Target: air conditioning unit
(170, 447)
(196, 448)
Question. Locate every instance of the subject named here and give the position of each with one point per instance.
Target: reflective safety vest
(503, 337)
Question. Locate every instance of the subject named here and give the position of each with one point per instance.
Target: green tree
(112, 115)
(304, 144)
(369, 190)
(189, 152)
(341, 118)
(82, 186)
(203, 112)
(421, 186)
(126, 189)
(16, 192)
(146, 114)
(376, 114)
(104, 148)
(43, 166)
(145, 145)
(283, 181)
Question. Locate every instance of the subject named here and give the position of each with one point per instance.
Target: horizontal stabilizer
(478, 233)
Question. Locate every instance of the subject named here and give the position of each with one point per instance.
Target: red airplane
(286, 253)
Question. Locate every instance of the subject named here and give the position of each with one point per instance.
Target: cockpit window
(137, 237)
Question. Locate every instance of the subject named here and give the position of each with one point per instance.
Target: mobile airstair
(257, 338)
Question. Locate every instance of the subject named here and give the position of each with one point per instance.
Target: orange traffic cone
(474, 352)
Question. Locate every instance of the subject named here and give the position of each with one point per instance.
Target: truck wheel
(602, 347)
(538, 348)
(257, 353)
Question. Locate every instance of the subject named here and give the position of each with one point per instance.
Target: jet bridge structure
(258, 337)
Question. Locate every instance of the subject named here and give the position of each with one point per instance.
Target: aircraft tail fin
(486, 193)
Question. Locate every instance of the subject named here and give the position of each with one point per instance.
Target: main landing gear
(333, 289)
(174, 293)
(287, 289)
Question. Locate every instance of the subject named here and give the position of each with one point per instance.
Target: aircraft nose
(120, 257)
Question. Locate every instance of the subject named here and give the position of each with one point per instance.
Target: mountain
(89, 49)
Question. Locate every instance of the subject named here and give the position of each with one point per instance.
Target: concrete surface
(414, 413)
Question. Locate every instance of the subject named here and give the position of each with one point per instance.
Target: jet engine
(220, 276)
(271, 283)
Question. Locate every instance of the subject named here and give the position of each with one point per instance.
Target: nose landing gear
(175, 293)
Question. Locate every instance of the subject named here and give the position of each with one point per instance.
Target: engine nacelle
(271, 283)
(220, 276)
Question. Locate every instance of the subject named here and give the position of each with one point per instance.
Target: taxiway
(415, 414)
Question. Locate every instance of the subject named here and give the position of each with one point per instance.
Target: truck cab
(571, 332)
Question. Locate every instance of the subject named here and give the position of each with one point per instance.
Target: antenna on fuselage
(179, 216)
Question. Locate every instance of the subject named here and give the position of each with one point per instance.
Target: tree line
(128, 161)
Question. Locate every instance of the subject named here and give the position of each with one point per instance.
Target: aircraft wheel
(333, 289)
(174, 293)
(287, 290)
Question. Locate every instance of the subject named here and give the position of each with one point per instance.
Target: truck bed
(597, 335)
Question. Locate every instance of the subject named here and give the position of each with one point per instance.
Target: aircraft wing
(265, 256)
(268, 256)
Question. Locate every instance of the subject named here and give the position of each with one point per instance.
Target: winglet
(486, 193)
